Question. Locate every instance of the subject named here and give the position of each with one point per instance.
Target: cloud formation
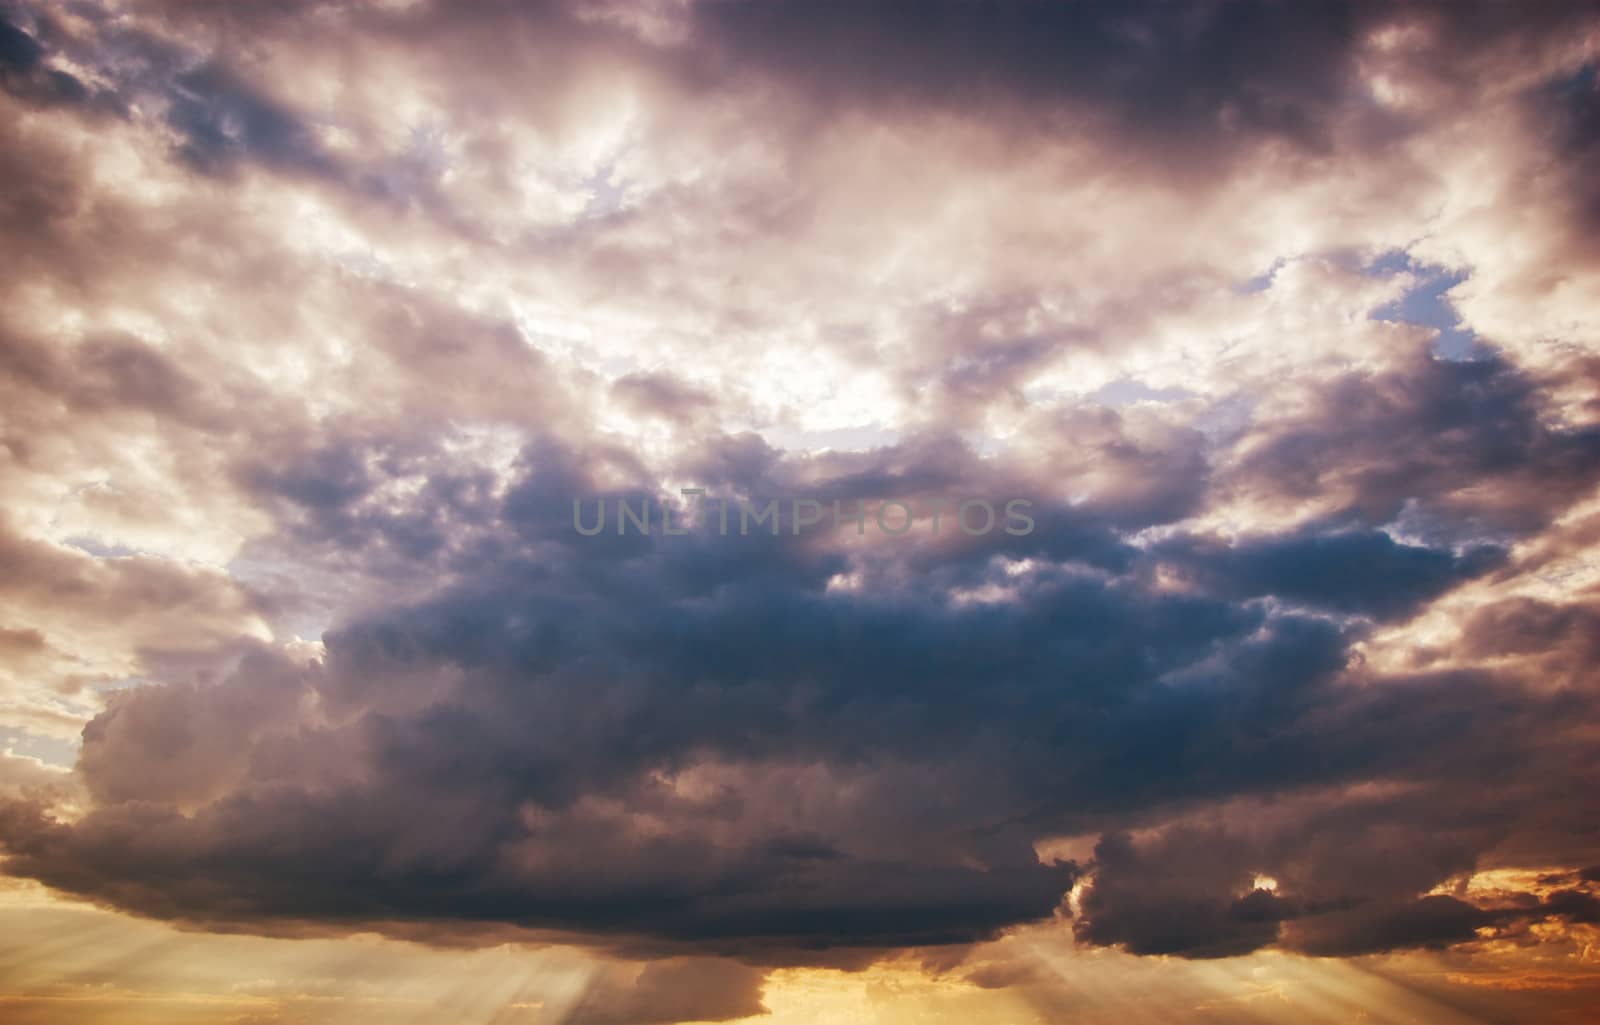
(320, 319)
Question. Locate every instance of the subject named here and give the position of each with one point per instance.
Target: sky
(1177, 427)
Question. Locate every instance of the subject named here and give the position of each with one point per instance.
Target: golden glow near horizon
(67, 961)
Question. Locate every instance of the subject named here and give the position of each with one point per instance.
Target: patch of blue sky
(1427, 304)
(97, 548)
(863, 438)
(1261, 282)
(1125, 391)
(60, 752)
(605, 193)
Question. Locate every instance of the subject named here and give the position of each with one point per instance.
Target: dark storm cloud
(1197, 80)
(1574, 906)
(1366, 573)
(1462, 450)
(1435, 922)
(24, 73)
(1351, 868)
(1151, 910)
(330, 496)
(652, 742)
(1568, 108)
(18, 50)
(1174, 75)
(223, 121)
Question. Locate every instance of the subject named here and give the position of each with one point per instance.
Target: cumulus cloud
(313, 341)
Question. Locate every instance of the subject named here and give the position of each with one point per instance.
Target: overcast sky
(1281, 321)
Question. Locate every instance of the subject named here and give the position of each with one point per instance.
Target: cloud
(312, 345)
(222, 121)
(620, 745)
(1362, 573)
